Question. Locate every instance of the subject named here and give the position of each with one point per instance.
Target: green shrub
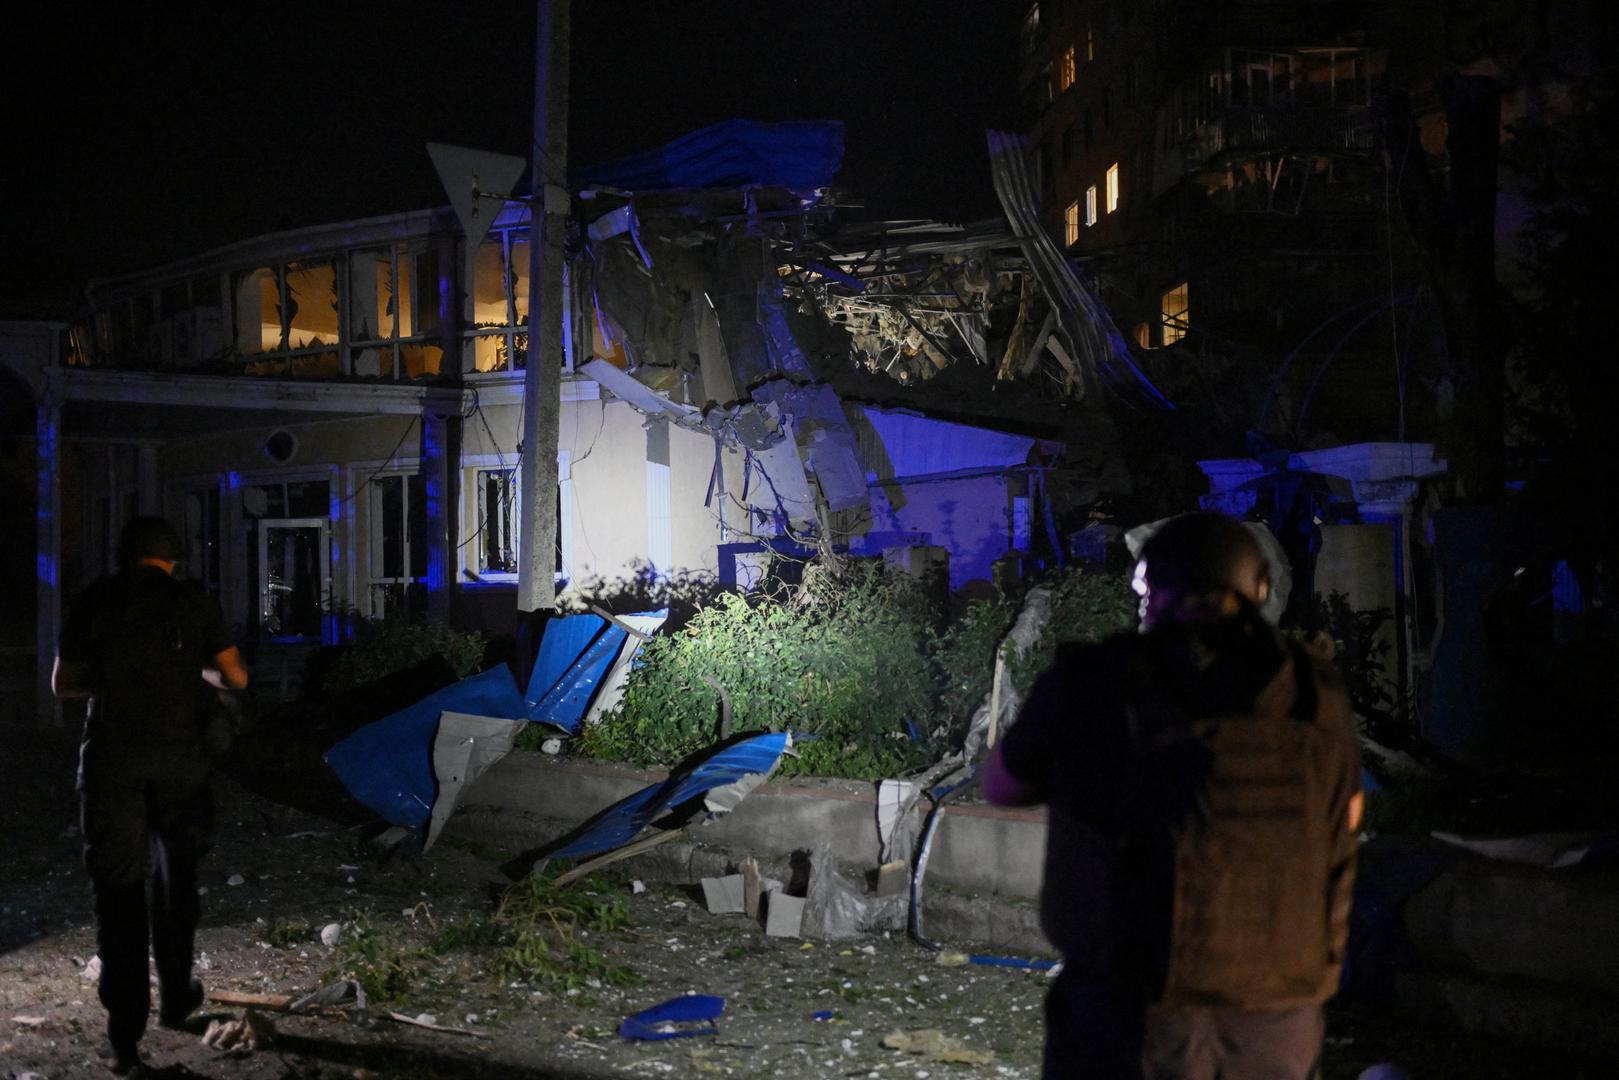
(392, 645)
(856, 665)
(844, 665)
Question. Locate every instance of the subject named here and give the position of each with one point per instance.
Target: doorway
(295, 581)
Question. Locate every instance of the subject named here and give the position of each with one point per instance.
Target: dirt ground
(793, 1008)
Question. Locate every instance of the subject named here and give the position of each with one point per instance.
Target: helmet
(1200, 554)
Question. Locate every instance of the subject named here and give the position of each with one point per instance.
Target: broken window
(499, 300)
(497, 521)
(371, 295)
(393, 297)
(1071, 224)
(499, 507)
(398, 545)
(1330, 78)
(1030, 37)
(1175, 311)
(1065, 70)
(488, 292)
(1090, 205)
(420, 360)
(1113, 187)
(258, 311)
(311, 304)
(1261, 80)
(517, 274)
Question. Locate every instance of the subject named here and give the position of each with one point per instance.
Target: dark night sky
(144, 133)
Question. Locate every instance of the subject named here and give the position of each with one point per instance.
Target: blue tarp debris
(579, 655)
(732, 154)
(661, 1021)
(388, 765)
(624, 820)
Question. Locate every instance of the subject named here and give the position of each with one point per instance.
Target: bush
(844, 665)
(393, 645)
(856, 666)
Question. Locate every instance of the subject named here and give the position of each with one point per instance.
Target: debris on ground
(784, 914)
(677, 1018)
(931, 1044)
(245, 1034)
(835, 910)
(430, 1023)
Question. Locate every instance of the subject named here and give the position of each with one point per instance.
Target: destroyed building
(332, 413)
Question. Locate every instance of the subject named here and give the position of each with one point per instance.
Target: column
(436, 483)
(48, 540)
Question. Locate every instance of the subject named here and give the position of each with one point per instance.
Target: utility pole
(542, 377)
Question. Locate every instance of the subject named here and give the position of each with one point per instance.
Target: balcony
(1236, 132)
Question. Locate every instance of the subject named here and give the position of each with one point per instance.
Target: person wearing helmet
(144, 647)
(1203, 780)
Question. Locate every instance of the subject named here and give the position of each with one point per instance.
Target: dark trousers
(1093, 1031)
(1233, 1044)
(146, 814)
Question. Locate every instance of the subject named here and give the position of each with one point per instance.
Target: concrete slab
(725, 895)
(784, 915)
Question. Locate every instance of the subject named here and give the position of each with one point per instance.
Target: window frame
(472, 467)
(1113, 185)
(1071, 224)
(1173, 324)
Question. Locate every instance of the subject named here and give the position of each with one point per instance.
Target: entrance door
(295, 580)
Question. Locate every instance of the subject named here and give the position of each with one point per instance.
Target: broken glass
(489, 306)
(311, 304)
(421, 360)
(489, 352)
(321, 365)
(258, 312)
(371, 306)
(426, 294)
(517, 273)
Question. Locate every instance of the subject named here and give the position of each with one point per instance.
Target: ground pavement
(279, 875)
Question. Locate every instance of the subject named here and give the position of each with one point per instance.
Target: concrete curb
(983, 875)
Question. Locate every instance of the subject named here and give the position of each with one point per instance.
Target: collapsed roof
(719, 273)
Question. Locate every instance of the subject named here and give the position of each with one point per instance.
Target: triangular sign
(475, 180)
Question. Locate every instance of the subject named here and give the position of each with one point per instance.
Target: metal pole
(542, 377)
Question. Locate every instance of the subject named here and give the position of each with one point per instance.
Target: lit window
(1065, 70)
(1090, 205)
(1142, 334)
(1090, 44)
(1071, 224)
(1113, 187)
(1174, 306)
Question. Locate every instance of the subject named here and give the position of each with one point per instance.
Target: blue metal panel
(566, 639)
(564, 705)
(624, 820)
(388, 765)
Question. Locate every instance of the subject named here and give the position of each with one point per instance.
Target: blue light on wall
(45, 432)
(433, 485)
